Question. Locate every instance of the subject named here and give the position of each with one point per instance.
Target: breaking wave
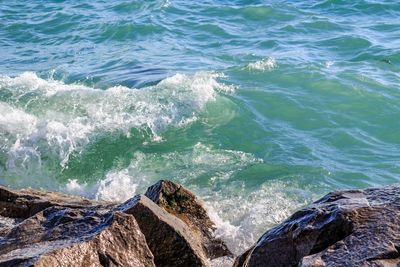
(46, 123)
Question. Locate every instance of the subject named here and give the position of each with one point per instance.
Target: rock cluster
(344, 228)
(168, 227)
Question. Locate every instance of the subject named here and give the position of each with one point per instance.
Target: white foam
(241, 214)
(15, 122)
(74, 187)
(53, 119)
(146, 169)
(118, 186)
(265, 64)
(242, 217)
(30, 82)
(329, 63)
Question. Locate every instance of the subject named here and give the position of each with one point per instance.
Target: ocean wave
(265, 64)
(50, 120)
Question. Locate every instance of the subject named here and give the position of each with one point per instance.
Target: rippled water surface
(258, 106)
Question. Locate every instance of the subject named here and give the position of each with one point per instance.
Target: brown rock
(169, 238)
(42, 228)
(75, 237)
(27, 202)
(182, 203)
(345, 228)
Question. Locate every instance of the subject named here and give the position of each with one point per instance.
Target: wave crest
(51, 119)
(266, 64)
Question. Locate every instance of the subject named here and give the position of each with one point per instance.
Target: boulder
(345, 228)
(182, 203)
(59, 236)
(39, 228)
(27, 202)
(169, 238)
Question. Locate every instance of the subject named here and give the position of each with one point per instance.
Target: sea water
(259, 107)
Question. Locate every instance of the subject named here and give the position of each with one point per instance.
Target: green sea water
(259, 107)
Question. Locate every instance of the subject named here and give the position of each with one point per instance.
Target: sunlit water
(257, 106)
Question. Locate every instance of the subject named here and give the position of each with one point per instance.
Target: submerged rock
(182, 203)
(59, 236)
(345, 228)
(169, 238)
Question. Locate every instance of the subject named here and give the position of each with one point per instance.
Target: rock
(59, 236)
(375, 237)
(183, 204)
(169, 238)
(27, 202)
(39, 228)
(345, 228)
(6, 222)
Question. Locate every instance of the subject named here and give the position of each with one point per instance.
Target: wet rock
(345, 228)
(6, 222)
(182, 203)
(27, 202)
(59, 236)
(39, 228)
(169, 238)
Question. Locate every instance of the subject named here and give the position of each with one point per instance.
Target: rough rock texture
(183, 204)
(53, 229)
(27, 202)
(169, 238)
(346, 228)
(171, 228)
(59, 236)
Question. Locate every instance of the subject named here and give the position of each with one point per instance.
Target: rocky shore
(168, 226)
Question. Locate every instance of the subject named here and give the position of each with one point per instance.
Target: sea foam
(241, 214)
(45, 120)
(48, 119)
(265, 64)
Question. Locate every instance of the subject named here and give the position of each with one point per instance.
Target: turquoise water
(258, 106)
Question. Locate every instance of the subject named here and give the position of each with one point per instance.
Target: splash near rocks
(259, 107)
(169, 226)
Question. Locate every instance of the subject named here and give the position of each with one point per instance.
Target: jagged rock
(345, 228)
(27, 202)
(169, 238)
(183, 204)
(59, 236)
(52, 229)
